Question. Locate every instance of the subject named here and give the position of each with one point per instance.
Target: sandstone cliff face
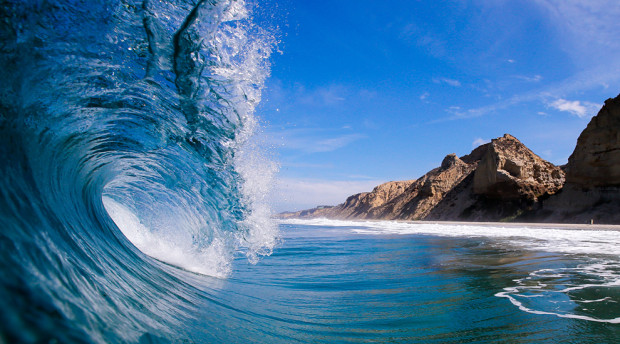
(418, 200)
(504, 180)
(509, 170)
(464, 188)
(596, 159)
(362, 205)
(592, 189)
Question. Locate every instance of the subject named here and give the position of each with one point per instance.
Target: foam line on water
(557, 292)
(520, 305)
(555, 284)
(570, 241)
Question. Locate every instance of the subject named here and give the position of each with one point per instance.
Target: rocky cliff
(466, 188)
(592, 189)
(503, 181)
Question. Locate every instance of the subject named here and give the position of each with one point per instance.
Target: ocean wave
(126, 135)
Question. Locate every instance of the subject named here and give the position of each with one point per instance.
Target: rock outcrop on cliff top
(497, 180)
(509, 170)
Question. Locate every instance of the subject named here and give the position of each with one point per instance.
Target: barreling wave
(125, 137)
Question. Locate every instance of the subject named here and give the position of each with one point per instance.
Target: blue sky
(365, 92)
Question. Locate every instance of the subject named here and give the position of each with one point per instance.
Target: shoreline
(574, 226)
(546, 225)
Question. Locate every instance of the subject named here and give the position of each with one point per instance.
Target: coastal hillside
(504, 181)
(497, 180)
(592, 189)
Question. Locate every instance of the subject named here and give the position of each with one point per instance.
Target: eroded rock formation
(464, 188)
(504, 180)
(592, 189)
(596, 159)
(509, 170)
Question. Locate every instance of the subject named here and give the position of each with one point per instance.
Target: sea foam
(543, 238)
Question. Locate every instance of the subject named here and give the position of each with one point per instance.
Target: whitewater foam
(564, 283)
(556, 291)
(213, 260)
(192, 196)
(558, 240)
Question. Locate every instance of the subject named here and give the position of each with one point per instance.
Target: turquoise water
(334, 284)
(132, 207)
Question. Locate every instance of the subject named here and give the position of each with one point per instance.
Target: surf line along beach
(479, 281)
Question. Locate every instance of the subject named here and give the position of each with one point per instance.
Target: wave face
(125, 129)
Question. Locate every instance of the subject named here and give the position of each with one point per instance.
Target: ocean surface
(133, 206)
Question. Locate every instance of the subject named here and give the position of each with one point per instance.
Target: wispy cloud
(312, 140)
(586, 29)
(305, 165)
(543, 95)
(424, 95)
(459, 113)
(451, 82)
(547, 154)
(575, 107)
(321, 96)
(534, 78)
(586, 23)
(479, 142)
(330, 95)
(333, 143)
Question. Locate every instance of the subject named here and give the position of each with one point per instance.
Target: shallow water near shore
(353, 283)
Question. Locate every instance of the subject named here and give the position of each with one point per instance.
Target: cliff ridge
(504, 181)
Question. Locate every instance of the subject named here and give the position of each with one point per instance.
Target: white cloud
(535, 78)
(540, 95)
(575, 107)
(479, 142)
(588, 31)
(311, 140)
(585, 24)
(424, 95)
(451, 82)
(321, 96)
(333, 143)
(370, 124)
(296, 194)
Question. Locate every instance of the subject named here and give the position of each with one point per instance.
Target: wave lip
(181, 193)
